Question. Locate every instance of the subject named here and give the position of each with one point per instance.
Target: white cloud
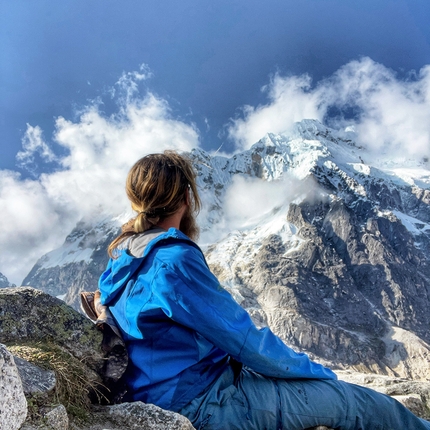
(37, 214)
(392, 114)
(31, 222)
(127, 86)
(248, 199)
(32, 144)
(290, 99)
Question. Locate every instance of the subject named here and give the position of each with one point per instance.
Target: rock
(149, 416)
(139, 416)
(13, 405)
(56, 418)
(51, 418)
(34, 379)
(44, 329)
(414, 403)
(24, 316)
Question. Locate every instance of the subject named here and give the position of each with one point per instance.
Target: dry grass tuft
(74, 379)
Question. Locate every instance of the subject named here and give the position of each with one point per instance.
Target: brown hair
(156, 187)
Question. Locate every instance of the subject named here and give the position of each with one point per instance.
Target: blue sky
(89, 86)
(208, 58)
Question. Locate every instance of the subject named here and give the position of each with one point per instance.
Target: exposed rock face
(13, 405)
(345, 294)
(344, 273)
(57, 418)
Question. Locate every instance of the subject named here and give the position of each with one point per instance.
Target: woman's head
(157, 186)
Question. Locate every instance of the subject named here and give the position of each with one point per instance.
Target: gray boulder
(30, 315)
(138, 416)
(13, 405)
(34, 379)
(57, 418)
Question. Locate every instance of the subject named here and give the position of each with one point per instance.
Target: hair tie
(153, 213)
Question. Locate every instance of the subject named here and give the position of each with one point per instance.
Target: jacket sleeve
(193, 297)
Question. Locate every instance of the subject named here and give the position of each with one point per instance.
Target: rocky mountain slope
(332, 254)
(77, 265)
(4, 282)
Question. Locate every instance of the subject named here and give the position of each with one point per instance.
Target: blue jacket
(180, 326)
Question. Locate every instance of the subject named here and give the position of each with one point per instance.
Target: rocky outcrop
(34, 379)
(31, 316)
(343, 272)
(137, 415)
(56, 376)
(44, 415)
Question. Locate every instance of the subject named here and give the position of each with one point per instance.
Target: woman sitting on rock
(192, 348)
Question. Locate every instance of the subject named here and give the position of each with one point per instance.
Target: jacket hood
(130, 257)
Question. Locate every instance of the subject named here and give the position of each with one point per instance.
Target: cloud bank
(248, 199)
(388, 113)
(89, 158)
(99, 150)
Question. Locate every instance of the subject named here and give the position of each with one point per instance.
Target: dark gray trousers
(252, 401)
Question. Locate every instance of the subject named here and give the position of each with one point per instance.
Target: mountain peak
(312, 237)
(4, 282)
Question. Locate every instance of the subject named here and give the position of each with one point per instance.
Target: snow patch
(414, 225)
(68, 253)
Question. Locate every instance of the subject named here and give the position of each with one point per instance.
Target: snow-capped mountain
(315, 236)
(77, 265)
(4, 282)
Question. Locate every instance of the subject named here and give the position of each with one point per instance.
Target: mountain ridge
(332, 253)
